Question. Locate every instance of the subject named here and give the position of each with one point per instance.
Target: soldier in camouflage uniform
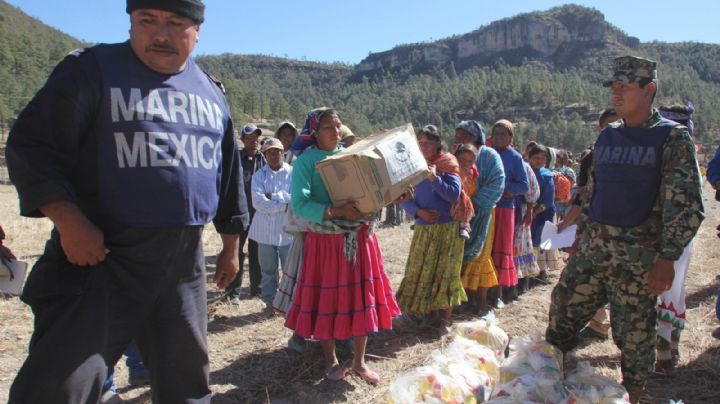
(644, 207)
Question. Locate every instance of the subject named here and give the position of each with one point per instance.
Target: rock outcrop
(545, 36)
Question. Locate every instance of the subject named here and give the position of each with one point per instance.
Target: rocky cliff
(555, 37)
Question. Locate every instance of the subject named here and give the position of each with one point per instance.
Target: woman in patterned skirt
(478, 273)
(432, 284)
(516, 183)
(342, 291)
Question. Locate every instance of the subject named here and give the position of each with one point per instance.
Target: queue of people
(460, 250)
(125, 269)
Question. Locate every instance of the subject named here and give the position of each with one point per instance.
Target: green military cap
(629, 69)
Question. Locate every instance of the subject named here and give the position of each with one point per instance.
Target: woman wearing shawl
(544, 210)
(478, 272)
(342, 291)
(516, 183)
(432, 285)
(294, 225)
(524, 256)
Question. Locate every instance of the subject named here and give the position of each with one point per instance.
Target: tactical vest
(627, 173)
(159, 141)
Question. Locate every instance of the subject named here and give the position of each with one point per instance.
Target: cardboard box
(376, 170)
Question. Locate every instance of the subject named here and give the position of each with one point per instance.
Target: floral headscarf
(306, 138)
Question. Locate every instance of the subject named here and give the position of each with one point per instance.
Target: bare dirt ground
(250, 361)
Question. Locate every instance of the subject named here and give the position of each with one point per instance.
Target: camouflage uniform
(612, 263)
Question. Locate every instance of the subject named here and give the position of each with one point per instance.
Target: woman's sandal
(335, 372)
(368, 375)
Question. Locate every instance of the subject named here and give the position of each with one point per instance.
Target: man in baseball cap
(271, 198)
(251, 161)
(631, 69)
(250, 129)
(644, 208)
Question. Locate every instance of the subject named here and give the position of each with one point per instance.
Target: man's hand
(573, 248)
(228, 264)
(570, 218)
(82, 241)
(428, 215)
(562, 226)
(6, 253)
(349, 210)
(527, 219)
(661, 276)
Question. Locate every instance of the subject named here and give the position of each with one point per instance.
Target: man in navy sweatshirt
(129, 150)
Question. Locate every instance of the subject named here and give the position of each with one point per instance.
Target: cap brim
(620, 78)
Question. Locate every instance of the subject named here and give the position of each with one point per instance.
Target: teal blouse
(309, 196)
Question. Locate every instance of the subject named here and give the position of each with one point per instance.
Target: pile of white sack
(483, 365)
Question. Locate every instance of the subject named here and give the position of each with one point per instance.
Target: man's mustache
(160, 48)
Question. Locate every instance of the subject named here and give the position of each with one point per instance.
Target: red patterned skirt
(502, 251)
(337, 299)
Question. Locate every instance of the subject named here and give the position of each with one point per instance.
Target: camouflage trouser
(605, 271)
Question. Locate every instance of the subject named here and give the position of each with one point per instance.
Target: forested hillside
(557, 107)
(28, 51)
(552, 92)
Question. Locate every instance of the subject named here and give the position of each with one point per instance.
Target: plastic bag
(478, 356)
(428, 384)
(529, 389)
(586, 387)
(532, 355)
(476, 382)
(485, 332)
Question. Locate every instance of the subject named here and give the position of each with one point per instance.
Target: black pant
(150, 288)
(393, 215)
(233, 290)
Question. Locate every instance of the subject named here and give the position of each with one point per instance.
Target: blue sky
(347, 30)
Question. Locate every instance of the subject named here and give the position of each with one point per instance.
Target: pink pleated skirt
(502, 252)
(337, 299)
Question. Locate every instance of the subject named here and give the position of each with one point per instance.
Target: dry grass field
(250, 362)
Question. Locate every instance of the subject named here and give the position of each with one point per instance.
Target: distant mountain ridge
(559, 37)
(541, 70)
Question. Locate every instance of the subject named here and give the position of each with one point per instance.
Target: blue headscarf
(475, 130)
